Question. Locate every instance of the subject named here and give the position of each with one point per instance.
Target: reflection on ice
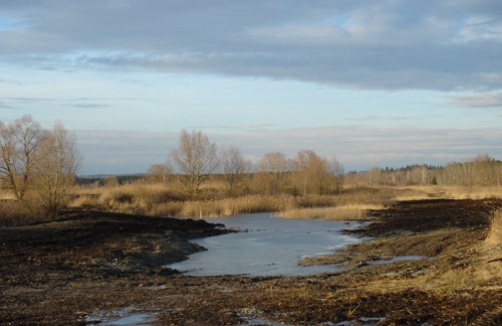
(124, 317)
(270, 246)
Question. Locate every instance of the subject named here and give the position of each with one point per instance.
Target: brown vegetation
(494, 236)
(92, 265)
(37, 166)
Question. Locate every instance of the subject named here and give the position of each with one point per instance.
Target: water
(269, 246)
(122, 317)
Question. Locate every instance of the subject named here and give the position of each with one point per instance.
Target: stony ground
(92, 268)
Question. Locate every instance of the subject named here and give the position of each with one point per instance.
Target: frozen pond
(268, 246)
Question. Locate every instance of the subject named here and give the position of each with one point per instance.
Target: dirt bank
(92, 267)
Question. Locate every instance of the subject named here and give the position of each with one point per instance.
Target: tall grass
(14, 213)
(131, 198)
(494, 236)
(350, 203)
(241, 205)
(160, 199)
(475, 192)
(340, 213)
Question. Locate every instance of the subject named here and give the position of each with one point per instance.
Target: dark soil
(91, 267)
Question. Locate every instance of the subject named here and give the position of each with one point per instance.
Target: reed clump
(339, 213)
(131, 198)
(13, 213)
(168, 199)
(240, 205)
(494, 236)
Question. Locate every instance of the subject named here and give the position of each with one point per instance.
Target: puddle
(258, 321)
(121, 317)
(363, 321)
(268, 246)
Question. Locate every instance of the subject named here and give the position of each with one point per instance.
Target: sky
(383, 83)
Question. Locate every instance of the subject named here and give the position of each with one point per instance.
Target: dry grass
(458, 192)
(235, 206)
(7, 195)
(340, 213)
(13, 213)
(132, 198)
(351, 203)
(494, 236)
(158, 199)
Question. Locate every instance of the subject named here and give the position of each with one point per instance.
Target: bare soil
(91, 267)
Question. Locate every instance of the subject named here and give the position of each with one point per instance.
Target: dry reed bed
(157, 199)
(352, 203)
(494, 236)
(13, 214)
(340, 213)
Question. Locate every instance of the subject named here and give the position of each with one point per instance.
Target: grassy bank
(351, 203)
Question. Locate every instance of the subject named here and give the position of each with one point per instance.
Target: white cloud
(483, 100)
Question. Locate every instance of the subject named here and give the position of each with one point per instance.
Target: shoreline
(54, 274)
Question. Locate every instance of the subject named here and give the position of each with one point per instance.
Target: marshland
(300, 241)
(250, 162)
(106, 257)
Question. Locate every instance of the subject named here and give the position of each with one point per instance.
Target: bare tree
(337, 172)
(196, 157)
(234, 168)
(159, 172)
(19, 143)
(276, 167)
(57, 163)
(315, 174)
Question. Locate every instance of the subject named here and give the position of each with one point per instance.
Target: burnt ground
(90, 267)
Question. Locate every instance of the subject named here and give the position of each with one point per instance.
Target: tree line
(38, 165)
(481, 170)
(196, 159)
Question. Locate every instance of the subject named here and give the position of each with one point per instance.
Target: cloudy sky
(372, 83)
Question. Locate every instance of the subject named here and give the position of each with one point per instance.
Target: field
(91, 266)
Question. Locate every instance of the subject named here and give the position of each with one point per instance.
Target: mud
(91, 268)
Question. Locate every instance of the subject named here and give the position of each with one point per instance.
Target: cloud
(357, 147)
(485, 100)
(391, 45)
(3, 105)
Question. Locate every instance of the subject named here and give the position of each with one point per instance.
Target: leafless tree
(56, 166)
(315, 174)
(338, 173)
(196, 157)
(276, 167)
(19, 143)
(234, 168)
(160, 172)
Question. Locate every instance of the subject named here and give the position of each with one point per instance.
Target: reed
(240, 205)
(494, 236)
(339, 213)
(13, 213)
(131, 198)
(475, 192)
(350, 203)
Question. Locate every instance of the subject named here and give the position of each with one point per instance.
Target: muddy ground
(92, 268)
